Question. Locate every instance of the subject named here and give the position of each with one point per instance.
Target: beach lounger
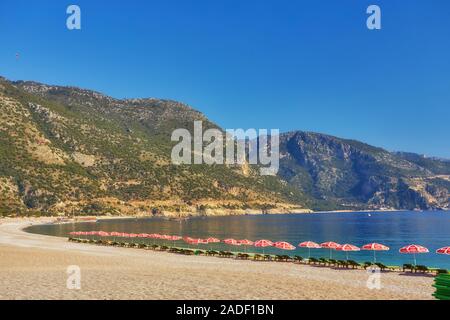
(283, 258)
(258, 257)
(222, 254)
(353, 264)
(394, 268)
(408, 266)
(298, 259)
(243, 256)
(381, 266)
(441, 271)
(342, 263)
(421, 268)
(267, 257)
(332, 262)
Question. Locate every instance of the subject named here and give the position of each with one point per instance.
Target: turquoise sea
(394, 229)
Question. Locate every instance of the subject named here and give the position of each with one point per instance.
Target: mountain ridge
(120, 150)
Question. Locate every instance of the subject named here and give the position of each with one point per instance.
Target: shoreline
(79, 219)
(34, 267)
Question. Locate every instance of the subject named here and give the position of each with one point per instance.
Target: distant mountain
(70, 150)
(350, 174)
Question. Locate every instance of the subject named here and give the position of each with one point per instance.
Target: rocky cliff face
(70, 150)
(351, 174)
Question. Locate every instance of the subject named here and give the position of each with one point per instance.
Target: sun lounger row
(347, 264)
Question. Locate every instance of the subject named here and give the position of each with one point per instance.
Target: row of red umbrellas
(411, 249)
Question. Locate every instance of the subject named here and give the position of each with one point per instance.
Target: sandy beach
(35, 267)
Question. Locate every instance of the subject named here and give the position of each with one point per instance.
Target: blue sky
(309, 65)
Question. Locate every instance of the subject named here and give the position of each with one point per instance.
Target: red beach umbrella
(187, 240)
(212, 240)
(198, 241)
(75, 233)
(347, 248)
(114, 234)
(263, 243)
(166, 237)
(193, 241)
(246, 243)
(143, 235)
(133, 236)
(284, 245)
(230, 241)
(155, 236)
(444, 250)
(92, 233)
(375, 247)
(310, 245)
(330, 245)
(414, 249)
(175, 238)
(121, 234)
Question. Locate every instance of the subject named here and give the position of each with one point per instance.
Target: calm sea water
(394, 229)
